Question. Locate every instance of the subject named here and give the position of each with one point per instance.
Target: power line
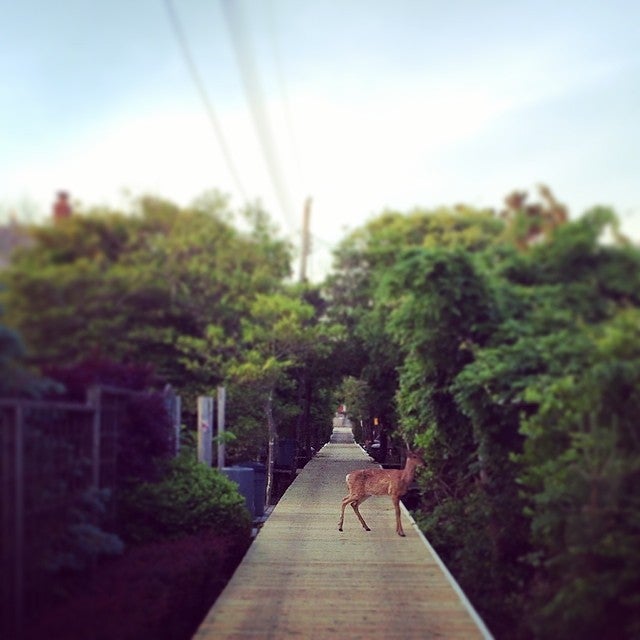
(197, 80)
(283, 89)
(254, 93)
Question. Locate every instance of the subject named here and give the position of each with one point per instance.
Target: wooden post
(94, 396)
(19, 521)
(221, 411)
(205, 429)
(173, 406)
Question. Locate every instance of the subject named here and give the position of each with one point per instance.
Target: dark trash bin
(286, 453)
(243, 477)
(259, 485)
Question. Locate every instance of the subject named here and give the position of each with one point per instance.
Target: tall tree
(276, 337)
(362, 262)
(511, 383)
(141, 287)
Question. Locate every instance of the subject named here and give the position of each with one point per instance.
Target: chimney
(62, 206)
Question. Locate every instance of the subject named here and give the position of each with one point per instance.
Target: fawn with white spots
(364, 483)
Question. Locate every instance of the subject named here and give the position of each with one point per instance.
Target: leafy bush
(520, 386)
(84, 540)
(582, 469)
(189, 498)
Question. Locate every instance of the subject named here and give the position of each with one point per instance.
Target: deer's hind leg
(355, 504)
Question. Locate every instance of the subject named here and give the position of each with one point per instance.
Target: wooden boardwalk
(302, 578)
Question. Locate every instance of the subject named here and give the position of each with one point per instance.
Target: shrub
(84, 540)
(190, 497)
(159, 591)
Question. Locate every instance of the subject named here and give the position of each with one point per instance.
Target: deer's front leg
(396, 504)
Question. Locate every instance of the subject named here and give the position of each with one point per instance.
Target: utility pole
(306, 240)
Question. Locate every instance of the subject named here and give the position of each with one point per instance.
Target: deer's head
(415, 458)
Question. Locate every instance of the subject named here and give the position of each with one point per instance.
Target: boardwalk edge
(452, 581)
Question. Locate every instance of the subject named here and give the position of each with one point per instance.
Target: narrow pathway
(302, 578)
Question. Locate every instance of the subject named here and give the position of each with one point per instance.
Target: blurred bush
(190, 497)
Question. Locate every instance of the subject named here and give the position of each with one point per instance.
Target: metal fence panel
(46, 465)
(51, 454)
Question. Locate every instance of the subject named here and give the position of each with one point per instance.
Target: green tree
(545, 439)
(142, 287)
(362, 261)
(276, 337)
(356, 395)
(580, 468)
(511, 376)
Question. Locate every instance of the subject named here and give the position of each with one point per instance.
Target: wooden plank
(303, 578)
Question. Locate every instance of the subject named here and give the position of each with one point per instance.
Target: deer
(364, 483)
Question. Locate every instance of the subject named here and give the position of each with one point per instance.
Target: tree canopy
(505, 346)
(512, 353)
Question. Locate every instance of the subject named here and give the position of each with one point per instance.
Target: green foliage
(359, 303)
(84, 540)
(141, 287)
(443, 311)
(462, 530)
(189, 498)
(442, 294)
(583, 478)
(518, 380)
(193, 292)
(245, 415)
(355, 393)
(279, 337)
(15, 377)
(507, 349)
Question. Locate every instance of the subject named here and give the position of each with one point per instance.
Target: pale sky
(361, 104)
